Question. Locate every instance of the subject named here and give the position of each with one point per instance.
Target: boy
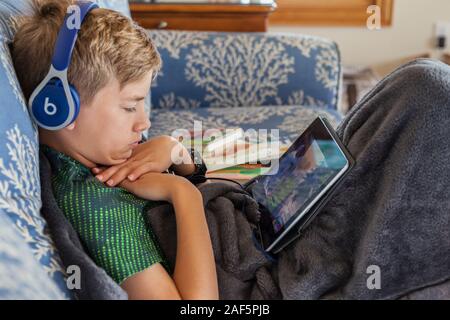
(112, 66)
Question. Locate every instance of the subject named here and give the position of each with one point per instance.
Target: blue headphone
(55, 103)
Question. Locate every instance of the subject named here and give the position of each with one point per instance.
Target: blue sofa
(30, 267)
(249, 80)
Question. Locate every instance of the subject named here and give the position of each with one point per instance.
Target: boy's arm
(154, 283)
(194, 276)
(198, 173)
(195, 269)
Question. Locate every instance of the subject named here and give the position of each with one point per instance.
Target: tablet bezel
(302, 214)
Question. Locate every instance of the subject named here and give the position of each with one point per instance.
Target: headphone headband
(67, 37)
(54, 104)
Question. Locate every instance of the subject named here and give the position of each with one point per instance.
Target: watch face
(200, 166)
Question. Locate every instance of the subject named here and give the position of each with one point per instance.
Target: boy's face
(105, 129)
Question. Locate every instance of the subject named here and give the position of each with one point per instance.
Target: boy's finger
(139, 171)
(97, 170)
(106, 174)
(120, 175)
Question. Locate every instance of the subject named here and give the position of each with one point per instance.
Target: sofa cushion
(20, 192)
(290, 120)
(226, 69)
(8, 10)
(21, 276)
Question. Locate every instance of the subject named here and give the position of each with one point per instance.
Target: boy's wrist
(195, 166)
(184, 169)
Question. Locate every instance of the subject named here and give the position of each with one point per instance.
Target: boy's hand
(154, 155)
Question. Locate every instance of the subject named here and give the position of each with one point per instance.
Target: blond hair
(108, 45)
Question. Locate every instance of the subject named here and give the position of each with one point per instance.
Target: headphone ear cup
(75, 98)
(50, 107)
(76, 102)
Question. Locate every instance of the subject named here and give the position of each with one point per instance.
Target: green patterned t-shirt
(110, 221)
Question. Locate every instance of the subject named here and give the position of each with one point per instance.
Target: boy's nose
(143, 125)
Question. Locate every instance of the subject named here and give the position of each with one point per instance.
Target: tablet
(289, 195)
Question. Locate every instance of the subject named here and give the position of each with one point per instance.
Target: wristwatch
(198, 176)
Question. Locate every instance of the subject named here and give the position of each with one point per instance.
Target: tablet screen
(304, 170)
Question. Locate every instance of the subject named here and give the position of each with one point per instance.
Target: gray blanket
(390, 217)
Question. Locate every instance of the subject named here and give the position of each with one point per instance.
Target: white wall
(411, 34)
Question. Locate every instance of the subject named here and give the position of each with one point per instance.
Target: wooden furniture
(203, 17)
(329, 12)
(446, 58)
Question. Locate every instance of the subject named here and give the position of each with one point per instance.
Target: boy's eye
(132, 109)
